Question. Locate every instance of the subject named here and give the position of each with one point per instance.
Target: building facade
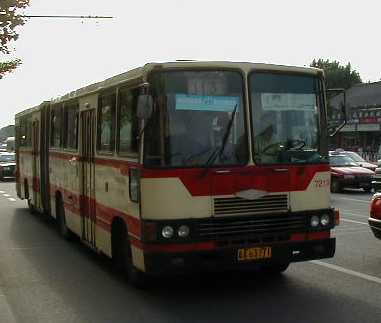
(362, 133)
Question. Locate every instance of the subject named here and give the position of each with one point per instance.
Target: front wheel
(122, 258)
(335, 186)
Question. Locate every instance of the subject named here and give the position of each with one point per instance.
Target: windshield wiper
(220, 150)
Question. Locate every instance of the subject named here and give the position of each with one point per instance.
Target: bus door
(36, 164)
(87, 176)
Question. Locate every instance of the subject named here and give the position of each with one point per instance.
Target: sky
(61, 55)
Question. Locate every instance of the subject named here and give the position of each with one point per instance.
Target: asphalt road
(46, 279)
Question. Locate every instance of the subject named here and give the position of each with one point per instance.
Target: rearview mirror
(337, 110)
(145, 106)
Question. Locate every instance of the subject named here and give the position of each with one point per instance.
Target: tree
(337, 76)
(10, 18)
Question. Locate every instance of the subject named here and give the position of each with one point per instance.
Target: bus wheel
(122, 257)
(136, 277)
(335, 186)
(61, 220)
(275, 269)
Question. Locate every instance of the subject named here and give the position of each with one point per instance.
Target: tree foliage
(337, 76)
(10, 18)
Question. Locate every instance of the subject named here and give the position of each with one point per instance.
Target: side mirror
(145, 106)
(337, 105)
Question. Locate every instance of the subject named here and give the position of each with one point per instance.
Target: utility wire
(68, 17)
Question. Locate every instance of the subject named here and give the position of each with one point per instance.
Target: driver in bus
(265, 141)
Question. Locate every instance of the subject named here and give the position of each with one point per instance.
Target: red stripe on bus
(319, 235)
(107, 214)
(310, 236)
(199, 246)
(281, 178)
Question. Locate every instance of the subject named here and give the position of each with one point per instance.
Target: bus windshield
(192, 113)
(285, 118)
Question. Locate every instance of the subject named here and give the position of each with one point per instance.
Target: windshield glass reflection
(285, 117)
(192, 113)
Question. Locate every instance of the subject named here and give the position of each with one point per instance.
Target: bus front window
(192, 110)
(285, 118)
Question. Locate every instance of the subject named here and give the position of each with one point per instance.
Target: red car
(375, 215)
(346, 173)
(359, 160)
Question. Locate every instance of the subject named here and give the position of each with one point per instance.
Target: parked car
(7, 165)
(345, 173)
(356, 158)
(375, 215)
(376, 182)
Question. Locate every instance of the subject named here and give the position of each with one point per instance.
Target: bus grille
(215, 228)
(239, 206)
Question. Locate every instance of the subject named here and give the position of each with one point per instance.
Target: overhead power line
(67, 17)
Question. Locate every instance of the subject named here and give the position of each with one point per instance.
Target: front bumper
(376, 184)
(356, 183)
(375, 225)
(223, 259)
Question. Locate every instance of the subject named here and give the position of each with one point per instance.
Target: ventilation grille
(240, 206)
(215, 228)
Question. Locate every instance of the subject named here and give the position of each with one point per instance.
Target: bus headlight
(183, 231)
(324, 220)
(315, 220)
(167, 232)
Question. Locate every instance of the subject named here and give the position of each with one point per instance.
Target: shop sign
(368, 127)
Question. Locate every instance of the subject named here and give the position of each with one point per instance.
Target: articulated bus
(186, 166)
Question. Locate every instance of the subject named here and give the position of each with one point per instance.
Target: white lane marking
(1, 192)
(352, 221)
(348, 271)
(6, 195)
(356, 214)
(349, 199)
(11, 199)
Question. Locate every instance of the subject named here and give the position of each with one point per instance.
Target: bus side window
(55, 126)
(128, 122)
(71, 126)
(106, 123)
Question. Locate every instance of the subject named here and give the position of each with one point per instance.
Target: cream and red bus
(186, 166)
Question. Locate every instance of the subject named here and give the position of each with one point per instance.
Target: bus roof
(140, 74)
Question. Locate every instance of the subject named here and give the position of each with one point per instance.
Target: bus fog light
(314, 221)
(324, 220)
(183, 231)
(167, 232)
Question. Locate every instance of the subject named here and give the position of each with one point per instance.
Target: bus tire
(122, 257)
(275, 269)
(335, 186)
(61, 220)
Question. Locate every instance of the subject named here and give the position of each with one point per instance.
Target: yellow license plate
(256, 253)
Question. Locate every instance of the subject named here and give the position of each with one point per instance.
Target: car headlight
(315, 221)
(167, 232)
(325, 220)
(183, 231)
(349, 176)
